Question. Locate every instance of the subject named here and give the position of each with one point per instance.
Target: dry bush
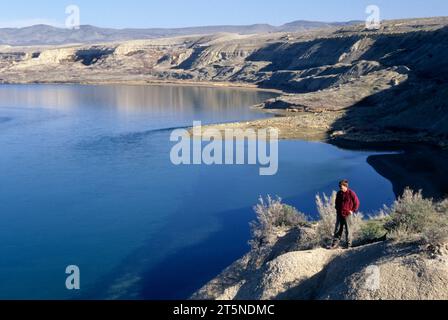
(411, 211)
(415, 218)
(356, 223)
(273, 215)
(442, 207)
(327, 218)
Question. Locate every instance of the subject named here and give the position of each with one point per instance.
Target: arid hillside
(344, 83)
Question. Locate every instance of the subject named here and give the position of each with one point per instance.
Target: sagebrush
(272, 215)
(410, 218)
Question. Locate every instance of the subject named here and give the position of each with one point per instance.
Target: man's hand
(351, 212)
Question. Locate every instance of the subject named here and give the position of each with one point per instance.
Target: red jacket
(347, 202)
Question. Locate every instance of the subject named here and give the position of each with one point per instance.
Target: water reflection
(129, 98)
(86, 179)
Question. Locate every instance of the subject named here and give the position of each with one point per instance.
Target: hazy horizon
(180, 14)
(180, 27)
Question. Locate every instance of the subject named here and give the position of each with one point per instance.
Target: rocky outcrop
(381, 271)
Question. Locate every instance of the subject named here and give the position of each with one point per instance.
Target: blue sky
(182, 13)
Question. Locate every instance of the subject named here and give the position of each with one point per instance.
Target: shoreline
(317, 127)
(182, 83)
(324, 95)
(304, 125)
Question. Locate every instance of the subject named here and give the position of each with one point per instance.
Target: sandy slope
(383, 271)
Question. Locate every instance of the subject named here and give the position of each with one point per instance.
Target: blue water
(86, 180)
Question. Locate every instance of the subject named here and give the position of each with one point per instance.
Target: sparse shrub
(416, 218)
(356, 223)
(290, 217)
(402, 234)
(411, 212)
(410, 218)
(371, 230)
(442, 207)
(327, 218)
(436, 234)
(272, 215)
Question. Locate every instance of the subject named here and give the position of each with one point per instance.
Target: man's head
(343, 185)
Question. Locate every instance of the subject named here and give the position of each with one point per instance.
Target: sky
(185, 13)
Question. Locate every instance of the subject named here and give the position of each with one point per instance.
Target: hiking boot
(335, 245)
(348, 245)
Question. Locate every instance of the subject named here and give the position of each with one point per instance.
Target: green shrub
(290, 217)
(371, 230)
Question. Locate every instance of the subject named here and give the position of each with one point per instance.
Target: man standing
(347, 203)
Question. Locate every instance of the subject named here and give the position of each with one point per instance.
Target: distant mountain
(48, 35)
(303, 25)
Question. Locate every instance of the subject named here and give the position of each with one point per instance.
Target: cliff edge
(399, 254)
(381, 271)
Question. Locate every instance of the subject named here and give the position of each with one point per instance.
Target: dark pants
(341, 225)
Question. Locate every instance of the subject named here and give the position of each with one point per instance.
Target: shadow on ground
(406, 116)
